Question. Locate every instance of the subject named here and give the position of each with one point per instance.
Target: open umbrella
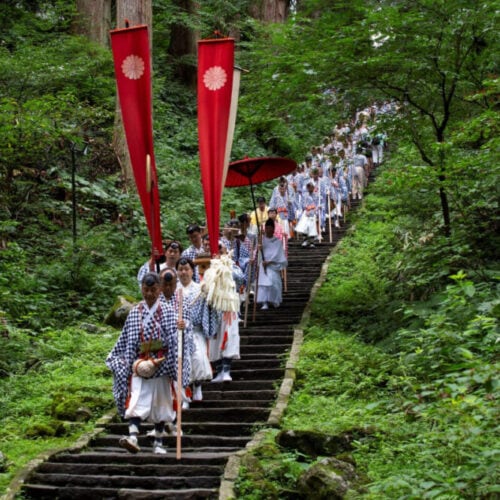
(251, 171)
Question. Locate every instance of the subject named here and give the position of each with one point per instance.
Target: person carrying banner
(173, 250)
(143, 362)
(195, 249)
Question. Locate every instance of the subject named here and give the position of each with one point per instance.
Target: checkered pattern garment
(205, 316)
(239, 253)
(192, 253)
(238, 276)
(311, 200)
(126, 350)
(187, 339)
(285, 205)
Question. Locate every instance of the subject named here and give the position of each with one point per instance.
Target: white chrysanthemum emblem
(133, 67)
(214, 78)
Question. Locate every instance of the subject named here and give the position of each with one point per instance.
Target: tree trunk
(135, 12)
(182, 48)
(93, 20)
(445, 208)
(271, 11)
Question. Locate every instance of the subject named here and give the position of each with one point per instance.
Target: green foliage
(428, 391)
(358, 293)
(426, 384)
(57, 381)
(337, 372)
(460, 333)
(282, 102)
(67, 96)
(270, 472)
(77, 284)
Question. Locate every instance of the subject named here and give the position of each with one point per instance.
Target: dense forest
(403, 338)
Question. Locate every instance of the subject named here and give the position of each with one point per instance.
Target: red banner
(133, 78)
(215, 84)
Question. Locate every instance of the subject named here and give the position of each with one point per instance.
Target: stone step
(208, 428)
(188, 440)
(126, 481)
(234, 414)
(48, 492)
(156, 469)
(148, 450)
(249, 349)
(256, 364)
(239, 385)
(210, 393)
(196, 457)
(258, 374)
(223, 403)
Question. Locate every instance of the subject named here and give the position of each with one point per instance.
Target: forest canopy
(425, 268)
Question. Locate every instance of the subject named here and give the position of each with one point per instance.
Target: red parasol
(250, 171)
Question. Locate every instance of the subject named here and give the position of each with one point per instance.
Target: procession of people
(199, 300)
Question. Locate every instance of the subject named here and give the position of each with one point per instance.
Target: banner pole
(179, 382)
(249, 285)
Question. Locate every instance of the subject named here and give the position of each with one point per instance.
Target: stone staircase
(213, 429)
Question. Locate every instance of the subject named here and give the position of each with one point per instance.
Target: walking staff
(249, 283)
(180, 334)
(329, 216)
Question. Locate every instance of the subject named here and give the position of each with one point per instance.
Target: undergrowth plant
(53, 387)
(424, 389)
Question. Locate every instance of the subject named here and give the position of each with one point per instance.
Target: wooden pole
(257, 275)
(285, 275)
(318, 221)
(149, 189)
(179, 382)
(249, 285)
(330, 218)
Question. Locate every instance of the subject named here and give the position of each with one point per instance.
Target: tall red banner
(132, 60)
(215, 84)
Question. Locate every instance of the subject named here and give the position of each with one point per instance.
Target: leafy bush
(56, 381)
(270, 472)
(460, 333)
(358, 293)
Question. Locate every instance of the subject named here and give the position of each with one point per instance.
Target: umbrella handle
(259, 233)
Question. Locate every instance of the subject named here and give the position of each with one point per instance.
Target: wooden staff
(285, 275)
(257, 269)
(179, 380)
(329, 217)
(249, 285)
(318, 220)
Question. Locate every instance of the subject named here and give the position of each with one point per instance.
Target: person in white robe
(273, 260)
(222, 284)
(200, 365)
